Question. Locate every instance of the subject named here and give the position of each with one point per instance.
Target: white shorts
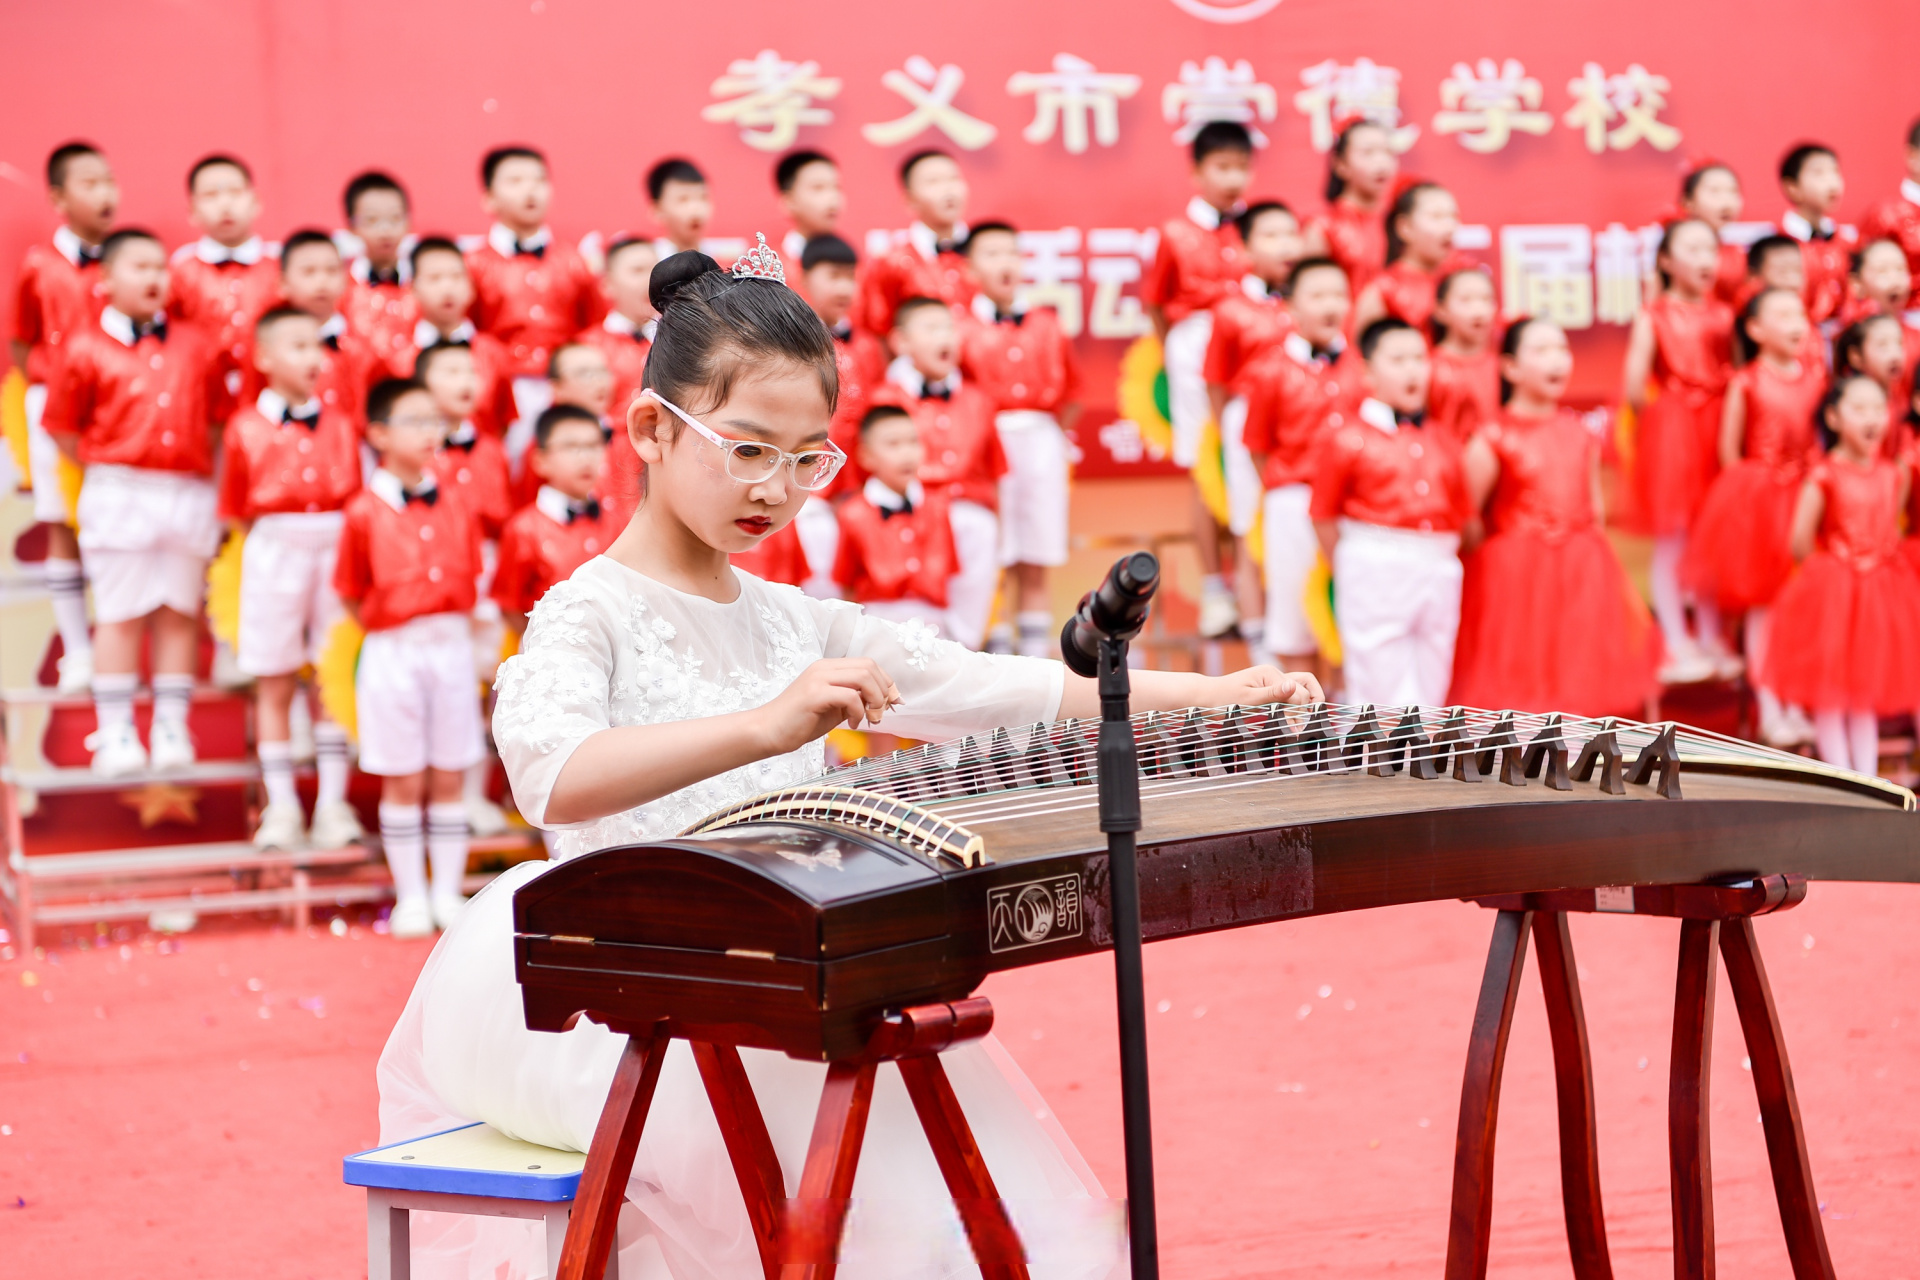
(43, 463)
(1185, 354)
(1243, 478)
(287, 605)
(416, 699)
(900, 611)
(970, 592)
(532, 396)
(145, 539)
(818, 529)
(1291, 548)
(1397, 599)
(1033, 493)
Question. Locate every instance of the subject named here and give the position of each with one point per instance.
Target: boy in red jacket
(682, 205)
(379, 306)
(226, 279)
(55, 299)
(443, 296)
(896, 551)
(313, 279)
(624, 338)
(810, 195)
(565, 526)
(1810, 180)
(132, 398)
(409, 555)
(929, 264)
(291, 463)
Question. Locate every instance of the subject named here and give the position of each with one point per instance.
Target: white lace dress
(611, 647)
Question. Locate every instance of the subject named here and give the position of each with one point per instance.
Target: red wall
(309, 93)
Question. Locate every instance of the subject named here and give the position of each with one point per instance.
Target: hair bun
(672, 275)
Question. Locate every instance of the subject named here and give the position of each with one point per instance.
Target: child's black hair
(623, 243)
(1403, 206)
(1792, 163)
(1436, 328)
(1745, 348)
(1307, 266)
(300, 240)
(788, 170)
(433, 244)
(1221, 135)
(372, 180)
(1842, 379)
(1372, 336)
(1510, 349)
(918, 302)
(715, 329)
(214, 161)
(1691, 183)
(986, 229)
(423, 362)
(62, 158)
(491, 162)
(1667, 234)
(388, 392)
(880, 413)
(1853, 339)
(1258, 210)
(117, 240)
(1757, 251)
(553, 359)
(1335, 183)
(275, 316)
(827, 248)
(672, 169)
(554, 416)
(914, 161)
(1859, 256)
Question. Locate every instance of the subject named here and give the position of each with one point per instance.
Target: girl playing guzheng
(659, 684)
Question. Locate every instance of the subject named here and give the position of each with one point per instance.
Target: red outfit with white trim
(53, 299)
(532, 303)
(411, 562)
(347, 372)
(1678, 447)
(539, 548)
(625, 346)
(223, 299)
(384, 311)
(964, 457)
(916, 269)
(474, 465)
(1195, 265)
(1464, 394)
(1407, 291)
(1898, 219)
(1292, 394)
(1245, 327)
(890, 553)
(1356, 239)
(1024, 364)
(493, 409)
(861, 362)
(273, 467)
(1828, 260)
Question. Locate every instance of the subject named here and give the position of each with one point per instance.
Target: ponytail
(1335, 183)
(1403, 206)
(1509, 348)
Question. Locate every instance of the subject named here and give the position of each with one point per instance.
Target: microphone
(1116, 610)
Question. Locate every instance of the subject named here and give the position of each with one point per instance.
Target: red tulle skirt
(1676, 453)
(1738, 554)
(1553, 624)
(1846, 638)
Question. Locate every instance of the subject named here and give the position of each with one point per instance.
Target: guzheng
(807, 920)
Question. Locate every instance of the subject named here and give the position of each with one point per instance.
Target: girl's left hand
(1260, 686)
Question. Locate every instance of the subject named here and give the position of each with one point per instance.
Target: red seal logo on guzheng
(1227, 10)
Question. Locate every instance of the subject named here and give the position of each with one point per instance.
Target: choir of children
(416, 433)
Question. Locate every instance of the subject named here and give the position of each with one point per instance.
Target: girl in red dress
(1682, 342)
(1739, 556)
(1881, 284)
(1420, 229)
(1361, 169)
(1875, 346)
(1465, 392)
(1847, 625)
(1712, 194)
(1548, 619)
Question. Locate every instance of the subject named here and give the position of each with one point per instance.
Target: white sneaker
(447, 908)
(117, 751)
(485, 819)
(226, 672)
(171, 746)
(76, 672)
(281, 827)
(1219, 613)
(1726, 666)
(1687, 668)
(411, 918)
(1799, 725)
(335, 826)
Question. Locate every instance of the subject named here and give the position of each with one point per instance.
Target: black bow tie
(842, 332)
(945, 246)
(427, 496)
(588, 510)
(1409, 419)
(521, 249)
(85, 253)
(383, 275)
(309, 420)
(1820, 233)
(1324, 355)
(1014, 318)
(332, 340)
(156, 329)
(904, 509)
(941, 390)
(466, 445)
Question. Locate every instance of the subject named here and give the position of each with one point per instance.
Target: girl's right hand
(828, 694)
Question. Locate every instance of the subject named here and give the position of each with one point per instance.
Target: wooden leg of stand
(810, 1244)
(603, 1183)
(996, 1245)
(1779, 1106)
(1573, 1082)
(755, 1166)
(1472, 1218)
(1687, 1106)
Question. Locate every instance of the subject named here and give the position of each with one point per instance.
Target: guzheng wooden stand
(1711, 916)
(799, 1238)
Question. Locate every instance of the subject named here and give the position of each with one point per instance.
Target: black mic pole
(1107, 620)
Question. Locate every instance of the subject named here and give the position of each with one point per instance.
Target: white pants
(1243, 478)
(145, 539)
(976, 540)
(287, 605)
(1033, 493)
(416, 699)
(1397, 600)
(1186, 358)
(818, 529)
(1291, 549)
(43, 463)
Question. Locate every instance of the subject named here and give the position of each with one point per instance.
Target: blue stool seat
(474, 1169)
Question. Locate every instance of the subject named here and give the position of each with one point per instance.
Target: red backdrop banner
(1564, 129)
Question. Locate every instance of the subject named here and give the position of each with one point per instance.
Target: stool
(475, 1169)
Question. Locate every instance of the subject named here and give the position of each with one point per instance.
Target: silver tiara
(760, 263)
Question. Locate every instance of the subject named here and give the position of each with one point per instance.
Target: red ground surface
(181, 1113)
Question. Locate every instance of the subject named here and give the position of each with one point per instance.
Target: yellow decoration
(13, 418)
(71, 476)
(1143, 399)
(1317, 599)
(509, 643)
(223, 591)
(339, 660)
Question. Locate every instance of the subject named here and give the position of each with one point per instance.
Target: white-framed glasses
(751, 462)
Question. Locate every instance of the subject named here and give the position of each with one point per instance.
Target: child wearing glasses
(409, 555)
(565, 525)
(656, 685)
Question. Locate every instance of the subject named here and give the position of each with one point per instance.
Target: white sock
(172, 693)
(400, 836)
(68, 587)
(1863, 735)
(330, 755)
(113, 699)
(1035, 628)
(1254, 631)
(1706, 625)
(1830, 737)
(1213, 584)
(1669, 608)
(473, 786)
(276, 772)
(447, 846)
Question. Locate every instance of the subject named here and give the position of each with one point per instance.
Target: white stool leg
(389, 1252)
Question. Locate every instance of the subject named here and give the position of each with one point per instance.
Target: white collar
(119, 325)
(1910, 190)
(903, 375)
(553, 504)
(1379, 414)
(1203, 215)
(987, 312)
(462, 434)
(212, 252)
(1254, 287)
(792, 245)
(504, 242)
(69, 243)
(1799, 228)
(273, 406)
(425, 335)
(664, 248)
(1297, 346)
(359, 268)
(335, 326)
(386, 486)
(926, 243)
(626, 328)
(889, 499)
